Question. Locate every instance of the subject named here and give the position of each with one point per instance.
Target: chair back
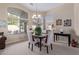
(29, 34)
(50, 37)
(43, 31)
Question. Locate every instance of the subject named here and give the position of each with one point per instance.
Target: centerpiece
(38, 30)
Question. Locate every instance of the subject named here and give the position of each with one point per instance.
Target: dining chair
(32, 41)
(48, 41)
(44, 31)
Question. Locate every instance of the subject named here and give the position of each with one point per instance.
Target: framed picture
(67, 22)
(59, 22)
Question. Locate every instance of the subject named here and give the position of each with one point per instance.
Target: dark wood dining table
(40, 37)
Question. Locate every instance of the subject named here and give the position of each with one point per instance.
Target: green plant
(38, 30)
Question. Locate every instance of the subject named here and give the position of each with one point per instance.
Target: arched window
(17, 21)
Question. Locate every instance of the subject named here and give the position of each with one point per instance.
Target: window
(22, 26)
(16, 20)
(15, 24)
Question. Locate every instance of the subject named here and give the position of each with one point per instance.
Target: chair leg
(51, 46)
(47, 49)
(29, 45)
(32, 48)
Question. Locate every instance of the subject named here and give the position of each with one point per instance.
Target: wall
(76, 18)
(66, 11)
(3, 16)
(63, 12)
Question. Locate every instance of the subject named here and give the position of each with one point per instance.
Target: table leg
(69, 40)
(40, 44)
(54, 37)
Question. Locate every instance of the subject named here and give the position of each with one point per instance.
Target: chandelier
(36, 17)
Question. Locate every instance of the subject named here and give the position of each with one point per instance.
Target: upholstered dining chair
(30, 40)
(49, 40)
(44, 31)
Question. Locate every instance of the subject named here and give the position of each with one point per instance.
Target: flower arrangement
(38, 30)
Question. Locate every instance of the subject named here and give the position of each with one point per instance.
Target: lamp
(61, 30)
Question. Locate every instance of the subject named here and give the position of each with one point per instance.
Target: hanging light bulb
(36, 16)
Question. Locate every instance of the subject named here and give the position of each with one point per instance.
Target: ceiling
(42, 7)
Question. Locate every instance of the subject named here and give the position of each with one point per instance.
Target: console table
(63, 34)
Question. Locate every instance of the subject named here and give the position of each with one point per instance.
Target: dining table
(40, 37)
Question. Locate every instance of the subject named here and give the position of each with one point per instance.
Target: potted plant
(38, 30)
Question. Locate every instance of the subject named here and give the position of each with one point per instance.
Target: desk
(40, 37)
(63, 34)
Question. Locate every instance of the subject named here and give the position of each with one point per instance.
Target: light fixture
(36, 17)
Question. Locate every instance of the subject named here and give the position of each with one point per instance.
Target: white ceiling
(41, 6)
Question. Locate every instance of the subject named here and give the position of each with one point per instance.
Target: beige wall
(63, 12)
(76, 18)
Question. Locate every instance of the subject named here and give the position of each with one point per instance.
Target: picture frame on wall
(67, 22)
(59, 22)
